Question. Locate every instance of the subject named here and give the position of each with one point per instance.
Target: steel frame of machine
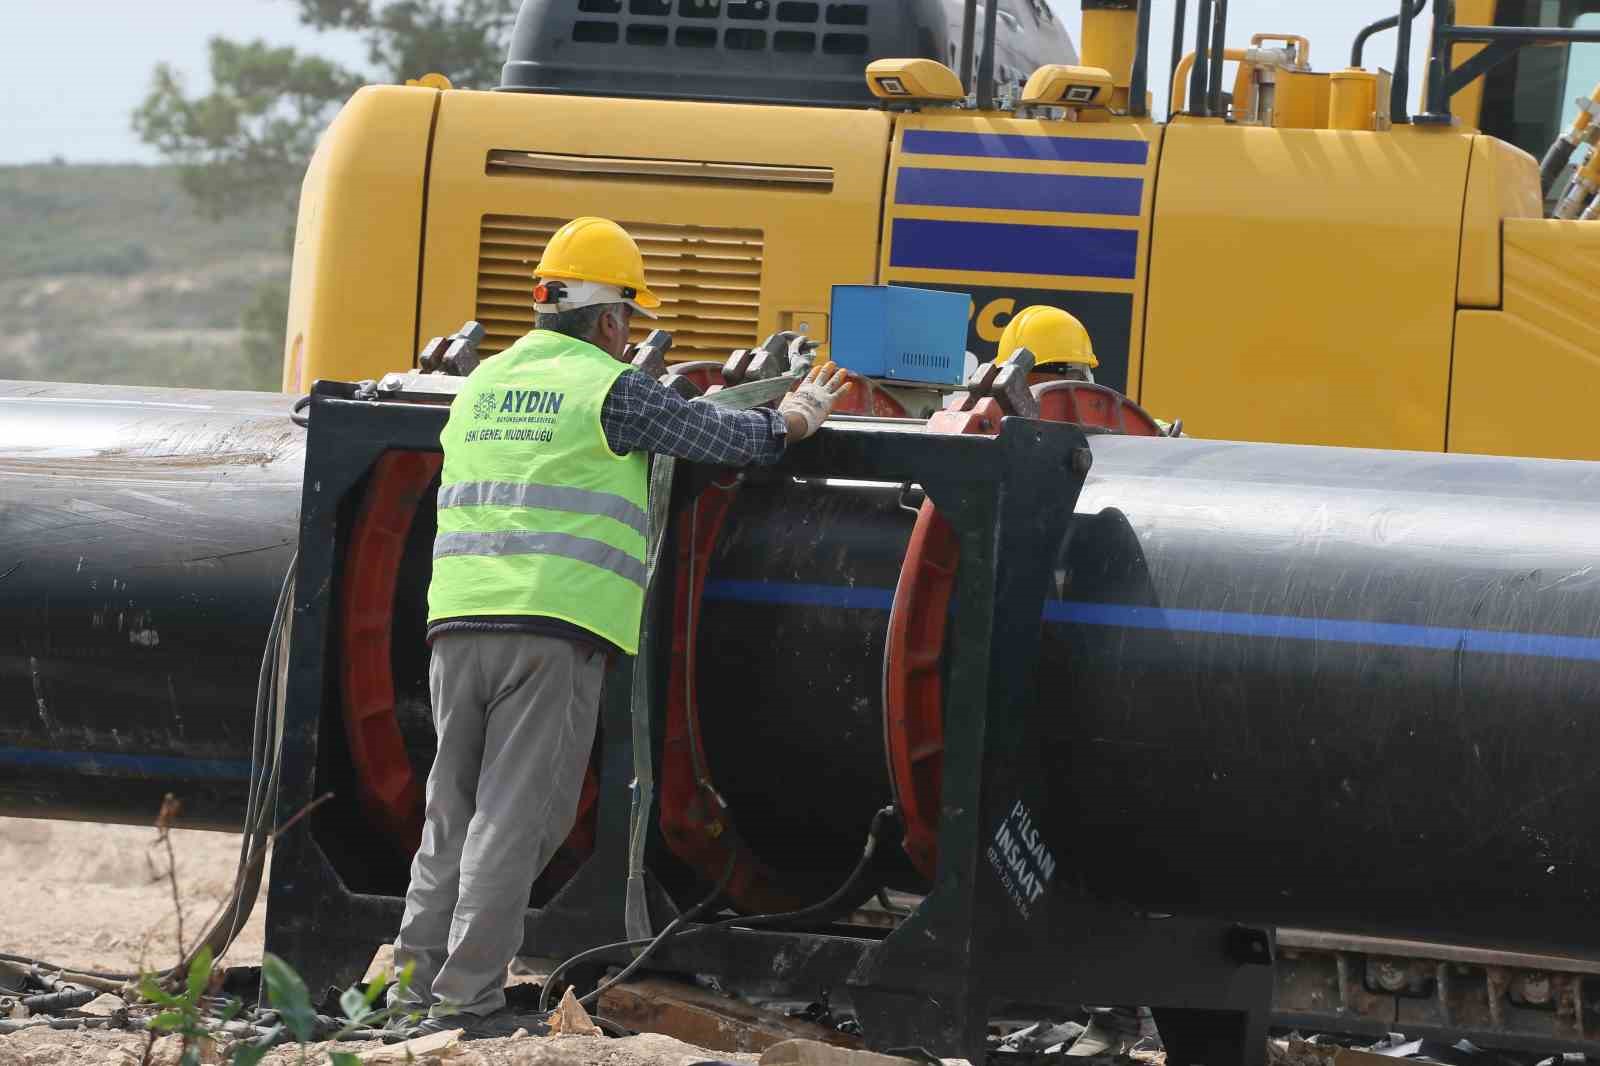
(1003, 931)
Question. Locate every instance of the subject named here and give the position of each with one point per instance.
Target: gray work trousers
(515, 714)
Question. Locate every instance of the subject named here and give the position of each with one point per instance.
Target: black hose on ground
(885, 821)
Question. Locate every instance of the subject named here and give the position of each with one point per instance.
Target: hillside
(109, 274)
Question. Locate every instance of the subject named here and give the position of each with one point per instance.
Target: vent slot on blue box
(900, 333)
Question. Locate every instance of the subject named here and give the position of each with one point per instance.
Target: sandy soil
(95, 896)
(107, 1049)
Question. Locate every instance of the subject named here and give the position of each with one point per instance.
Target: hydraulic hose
(1555, 160)
(650, 944)
(636, 910)
(884, 822)
(1358, 48)
(1559, 154)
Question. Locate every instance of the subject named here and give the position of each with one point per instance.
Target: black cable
(294, 413)
(52, 967)
(886, 818)
(883, 819)
(650, 944)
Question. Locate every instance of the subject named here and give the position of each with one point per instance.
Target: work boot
(403, 1024)
(1112, 1031)
(447, 1022)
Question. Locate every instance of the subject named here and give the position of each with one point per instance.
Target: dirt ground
(33, 1048)
(94, 897)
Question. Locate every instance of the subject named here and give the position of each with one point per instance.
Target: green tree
(465, 40)
(246, 143)
(248, 140)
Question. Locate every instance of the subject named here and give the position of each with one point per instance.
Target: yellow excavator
(1290, 256)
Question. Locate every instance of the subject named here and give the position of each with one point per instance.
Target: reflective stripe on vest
(537, 516)
(544, 497)
(594, 552)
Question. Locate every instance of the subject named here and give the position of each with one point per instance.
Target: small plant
(182, 1012)
(185, 1014)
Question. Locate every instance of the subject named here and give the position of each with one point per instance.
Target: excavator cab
(1532, 96)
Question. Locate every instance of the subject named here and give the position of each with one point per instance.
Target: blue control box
(900, 333)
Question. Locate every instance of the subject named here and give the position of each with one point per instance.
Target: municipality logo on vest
(485, 405)
(518, 402)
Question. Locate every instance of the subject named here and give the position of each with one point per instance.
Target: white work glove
(808, 406)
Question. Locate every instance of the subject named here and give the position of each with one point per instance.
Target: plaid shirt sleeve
(643, 415)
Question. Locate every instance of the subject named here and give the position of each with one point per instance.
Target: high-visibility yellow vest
(537, 515)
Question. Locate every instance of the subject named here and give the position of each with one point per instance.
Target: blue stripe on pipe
(1002, 247)
(871, 599)
(1019, 192)
(1024, 146)
(106, 764)
(1228, 623)
(1325, 630)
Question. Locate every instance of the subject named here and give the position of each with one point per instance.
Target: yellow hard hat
(598, 250)
(1051, 334)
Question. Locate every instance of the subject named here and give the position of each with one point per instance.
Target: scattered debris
(431, 1048)
(570, 1019)
(63, 999)
(816, 1053)
(105, 1005)
(1322, 1051)
(382, 964)
(1042, 1038)
(704, 1018)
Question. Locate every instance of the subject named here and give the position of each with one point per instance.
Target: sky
(68, 91)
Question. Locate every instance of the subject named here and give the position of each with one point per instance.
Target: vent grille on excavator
(708, 278)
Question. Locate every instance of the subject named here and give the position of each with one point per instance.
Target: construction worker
(1058, 341)
(538, 576)
(1061, 346)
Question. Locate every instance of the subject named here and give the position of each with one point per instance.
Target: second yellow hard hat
(1051, 334)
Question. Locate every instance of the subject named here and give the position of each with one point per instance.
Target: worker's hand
(807, 407)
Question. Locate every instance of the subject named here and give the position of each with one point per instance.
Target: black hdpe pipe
(1344, 689)
(144, 535)
(1341, 689)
